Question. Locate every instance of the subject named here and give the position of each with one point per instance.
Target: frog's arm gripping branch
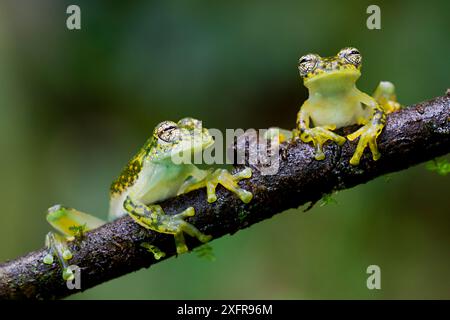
(411, 136)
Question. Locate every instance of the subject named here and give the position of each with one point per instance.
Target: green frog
(334, 102)
(160, 170)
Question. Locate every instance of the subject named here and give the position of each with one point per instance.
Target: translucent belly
(338, 115)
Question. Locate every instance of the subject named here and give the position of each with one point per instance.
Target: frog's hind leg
(152, 217)
(180, 243)
(385, 95)
(57, 247)
(72, 223)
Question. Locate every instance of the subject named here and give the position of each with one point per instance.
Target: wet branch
(413, 135)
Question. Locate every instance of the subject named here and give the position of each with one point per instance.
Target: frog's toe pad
(68, 274)
(244, 195)
(205, 238)
(48, 259)
(67, 255)
(354, 161)
(182, 248)
(319, 156)
(159, 255)
(353, 136)
(212, 197)
(244, 174)
(340, 141)
(375, 153)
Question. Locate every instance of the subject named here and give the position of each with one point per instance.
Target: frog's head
(342, 68)
(187, 136)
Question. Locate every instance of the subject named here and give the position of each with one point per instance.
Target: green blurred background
(75, 105)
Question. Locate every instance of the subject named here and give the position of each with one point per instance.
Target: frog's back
(121, 186)
(146, 181)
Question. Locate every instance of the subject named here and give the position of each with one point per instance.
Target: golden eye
(351, 55)
(168, 131)
(307, 64)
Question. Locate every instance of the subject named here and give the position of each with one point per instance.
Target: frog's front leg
(385, 95)
(152, 217)
(226, 179)
(369, 132)
(317, 135)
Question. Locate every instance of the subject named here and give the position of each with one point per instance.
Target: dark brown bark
(413, 135)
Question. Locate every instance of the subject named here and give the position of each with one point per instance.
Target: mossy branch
(413, 135)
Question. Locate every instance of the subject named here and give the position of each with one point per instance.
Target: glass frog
(335, 102)
(152, 176)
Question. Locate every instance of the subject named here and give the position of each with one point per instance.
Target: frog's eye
(351, 55)
(190, 123)
(307, 63)
(168, 131)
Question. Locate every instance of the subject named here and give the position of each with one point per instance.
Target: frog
(335, 102)
(157, 172)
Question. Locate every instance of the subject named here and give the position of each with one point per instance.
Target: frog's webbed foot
(385, 95)
(318, 136)
(226, 179)
(368, 136)
(152, 217)
(57, 247)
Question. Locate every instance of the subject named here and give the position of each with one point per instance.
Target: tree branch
(413, 135)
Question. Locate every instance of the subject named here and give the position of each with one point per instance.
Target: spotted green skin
(154, 174)
(334, 102)
(151, 175)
